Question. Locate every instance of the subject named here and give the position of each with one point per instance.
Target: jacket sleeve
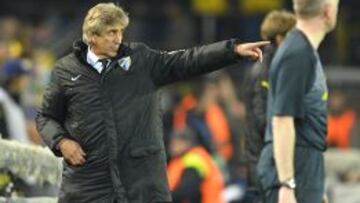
(168, 67)
(50, 118)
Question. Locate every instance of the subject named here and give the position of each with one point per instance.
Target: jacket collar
(80, 50)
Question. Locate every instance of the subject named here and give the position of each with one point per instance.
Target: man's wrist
(289, 183)
(58, 146)
(234, 44)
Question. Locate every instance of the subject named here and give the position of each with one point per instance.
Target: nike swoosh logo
(75, 78)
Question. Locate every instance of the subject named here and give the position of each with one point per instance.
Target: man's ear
(278, 39)
(327, 11)
(92, 40)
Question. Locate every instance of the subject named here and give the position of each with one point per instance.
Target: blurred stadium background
(34, 33)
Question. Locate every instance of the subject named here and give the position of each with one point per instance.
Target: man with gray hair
(101, 111)
(291, 166)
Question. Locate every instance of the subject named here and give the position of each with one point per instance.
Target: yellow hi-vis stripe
(325, 96)
(194, 161)
(265, 84)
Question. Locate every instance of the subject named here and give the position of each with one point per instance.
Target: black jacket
(255, 95)
(115, 117)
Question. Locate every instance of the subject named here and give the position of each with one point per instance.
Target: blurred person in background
(235, 112)
(13, 122)
(42, 63)
(202, 112)
(273, 28)
(194, 176)
(208, 109)
(4, 51)
(291, 164)
(101, 111)
(343, 130)
(16, 49)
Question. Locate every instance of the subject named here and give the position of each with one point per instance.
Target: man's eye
(112, 32)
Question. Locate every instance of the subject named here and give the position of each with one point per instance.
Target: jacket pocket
(143, 156)
(144, 151)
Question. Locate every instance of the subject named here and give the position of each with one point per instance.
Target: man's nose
(118, 38)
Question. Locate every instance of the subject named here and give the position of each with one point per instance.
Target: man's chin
(113, 54)
(331, 27)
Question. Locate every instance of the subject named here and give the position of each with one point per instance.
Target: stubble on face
(107, 44)
(113, 38)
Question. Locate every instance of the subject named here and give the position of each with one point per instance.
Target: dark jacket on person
(256, 91)
(116, 119)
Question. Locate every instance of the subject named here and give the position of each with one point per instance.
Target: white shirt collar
(93, 60)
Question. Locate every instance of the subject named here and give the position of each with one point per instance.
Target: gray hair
(101, 16)
(308, 8)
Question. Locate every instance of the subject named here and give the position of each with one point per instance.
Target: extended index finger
(260, 43)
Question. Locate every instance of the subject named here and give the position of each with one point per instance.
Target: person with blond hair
(291, 165)
(101, 110)
(274, 28)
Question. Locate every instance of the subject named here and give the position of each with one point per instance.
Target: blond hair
(277, 23)
(101, 16)
(308, 8)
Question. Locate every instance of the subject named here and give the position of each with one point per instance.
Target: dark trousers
(309, 175)
(252, 196)
(302, 196)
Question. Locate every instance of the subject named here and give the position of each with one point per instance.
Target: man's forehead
(115, 26)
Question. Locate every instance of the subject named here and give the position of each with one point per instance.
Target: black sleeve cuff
(55, 145)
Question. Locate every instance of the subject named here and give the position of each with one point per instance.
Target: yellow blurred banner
(259, 6)
(210, 7)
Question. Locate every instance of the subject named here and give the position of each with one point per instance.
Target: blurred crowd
(209, 112)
